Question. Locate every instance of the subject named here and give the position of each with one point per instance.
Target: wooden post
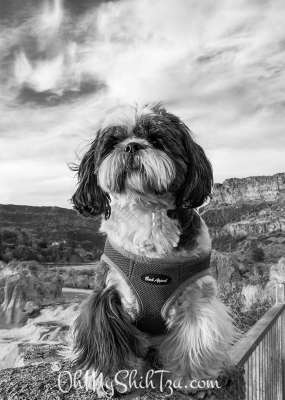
(280, 298)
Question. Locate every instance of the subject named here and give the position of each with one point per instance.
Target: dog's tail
(104, 336)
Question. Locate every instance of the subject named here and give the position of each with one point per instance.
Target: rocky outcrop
(277, 273)
(265, 222)
(24, 288)
(74, 280)
(253, 206)
(225, 267)
(92, 278)
(252, 189)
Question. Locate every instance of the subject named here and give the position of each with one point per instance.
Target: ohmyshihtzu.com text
(125, 380)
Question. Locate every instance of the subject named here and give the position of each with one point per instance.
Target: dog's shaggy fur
(145, 175)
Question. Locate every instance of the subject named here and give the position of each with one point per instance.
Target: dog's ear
(199, 176)
(89, 199)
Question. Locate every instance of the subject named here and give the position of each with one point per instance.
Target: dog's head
(142, 151)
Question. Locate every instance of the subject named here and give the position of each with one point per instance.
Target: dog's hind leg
(200, 332)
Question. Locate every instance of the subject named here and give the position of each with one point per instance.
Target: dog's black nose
(132, 147)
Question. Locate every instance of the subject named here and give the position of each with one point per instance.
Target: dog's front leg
(200, 334)
(105, 340)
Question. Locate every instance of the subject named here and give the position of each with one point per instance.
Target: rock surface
(247, 213)
(45, 376)
(255, 188)
(49, 381)
(267, 221)
(24, 288)
(249, 206)
(85, 278)
(225, 267)
(277, 273)
(73, 279)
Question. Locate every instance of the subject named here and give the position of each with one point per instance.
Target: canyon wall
(249, 206)
(251, 189)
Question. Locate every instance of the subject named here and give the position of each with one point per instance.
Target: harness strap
(156, 283)
(124, 277)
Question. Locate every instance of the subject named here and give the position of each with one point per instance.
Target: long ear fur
(89, 199)
(105, 338)
(199, 180)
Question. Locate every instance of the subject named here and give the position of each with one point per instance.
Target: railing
(261, 351)
(64, 265)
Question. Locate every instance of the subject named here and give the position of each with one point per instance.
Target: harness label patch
(156, 279)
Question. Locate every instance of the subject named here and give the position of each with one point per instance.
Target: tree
(258, 254)
(8, 256)
(87, 245)
(9, 234)
(42, 243)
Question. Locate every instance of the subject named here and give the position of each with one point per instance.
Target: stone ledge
(40, 382)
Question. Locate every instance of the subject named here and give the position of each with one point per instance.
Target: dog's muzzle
(131, 149)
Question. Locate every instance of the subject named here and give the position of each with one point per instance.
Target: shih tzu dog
(145, 175)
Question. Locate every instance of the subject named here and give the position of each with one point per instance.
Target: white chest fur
(141, 231)
(145, 229)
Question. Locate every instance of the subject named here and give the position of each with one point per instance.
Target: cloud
(36, 182)
(217, 65)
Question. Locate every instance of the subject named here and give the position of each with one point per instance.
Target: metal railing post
(280, 298)
(280, 293)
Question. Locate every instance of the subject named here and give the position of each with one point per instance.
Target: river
(34, 331)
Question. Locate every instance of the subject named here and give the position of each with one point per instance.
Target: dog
(145, 175)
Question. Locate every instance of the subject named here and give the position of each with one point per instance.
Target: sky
(64, 64)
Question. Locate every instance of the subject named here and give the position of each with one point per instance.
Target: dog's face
(142, 151)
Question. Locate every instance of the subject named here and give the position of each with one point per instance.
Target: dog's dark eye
(156, 142)
(110, 138)
(158, 145)
(108, 144)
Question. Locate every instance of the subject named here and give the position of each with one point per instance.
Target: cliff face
(248, 206)
(248, 213)
(265, 222)
(24, 286)
(252, 189)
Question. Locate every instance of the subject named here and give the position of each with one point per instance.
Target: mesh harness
(155, 282)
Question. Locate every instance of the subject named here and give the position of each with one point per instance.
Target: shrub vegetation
(245, 314)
